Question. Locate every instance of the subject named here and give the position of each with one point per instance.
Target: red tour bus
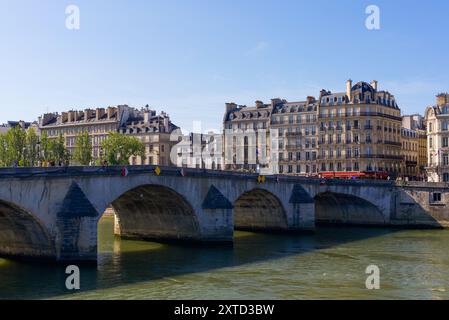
(382, 175)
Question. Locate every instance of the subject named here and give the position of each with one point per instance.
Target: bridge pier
(301, 210)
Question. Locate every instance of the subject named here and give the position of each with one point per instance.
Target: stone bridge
(53, 213)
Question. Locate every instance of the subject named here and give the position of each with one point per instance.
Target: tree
(58, 151)
(45, 147)
(31, 155)
(83, 149)
(118, 148)
(15, 146)
(3, 151)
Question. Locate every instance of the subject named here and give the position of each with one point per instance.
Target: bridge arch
(155, 212)
(341, 208)
(259, 210)
(22, 235)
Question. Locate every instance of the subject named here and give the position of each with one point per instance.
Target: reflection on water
(329, 264)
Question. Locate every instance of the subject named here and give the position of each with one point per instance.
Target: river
(330, 264)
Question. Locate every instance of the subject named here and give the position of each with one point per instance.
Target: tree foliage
(58, 152)
(118, 148)
(83, 149)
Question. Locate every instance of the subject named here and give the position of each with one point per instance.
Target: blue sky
(189, 57)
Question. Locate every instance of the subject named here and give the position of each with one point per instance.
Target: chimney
(230, 106)
(374, 84)
(64, 117)
(47, 118)
(348, 89)
(166, 123)
(259, 104)
(146, 116)
(442, 99)
(310, 99)
(71, 116)
(87, 114)
(110, 112)
(99, 113)
(274, 102)
(79, 115)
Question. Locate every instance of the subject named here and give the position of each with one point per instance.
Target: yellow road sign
(157, 170)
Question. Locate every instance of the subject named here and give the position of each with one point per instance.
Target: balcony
(381, 156)
(393, 143)
(368, 127)
(294, 134)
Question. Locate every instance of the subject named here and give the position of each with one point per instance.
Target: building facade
(359, 130)
(199, 150)
(154, 130)
(246, 137)
(22, 124)
(410, 153)
(437, 122)
(414, 147)
(294, 129)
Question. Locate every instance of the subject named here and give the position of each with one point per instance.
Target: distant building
(297, 136)
(414, 146)
(342, 134)
(359, 130)
(246, 139)
(437, 122)
(199, 150)
(24, 125)
(152, 129)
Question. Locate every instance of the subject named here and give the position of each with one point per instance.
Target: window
(436, 197)
(444, 142)
(281, 156)
(446, 177)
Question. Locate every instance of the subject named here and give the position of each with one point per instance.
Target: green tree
(31, 155)
(118, 148)
(3, 151)
(83, 149)
(15, 146)
(58, 151)
(45, 147)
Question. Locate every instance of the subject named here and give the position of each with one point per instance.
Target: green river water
(330, 264)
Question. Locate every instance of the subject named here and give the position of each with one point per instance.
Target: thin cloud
(258, 48)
